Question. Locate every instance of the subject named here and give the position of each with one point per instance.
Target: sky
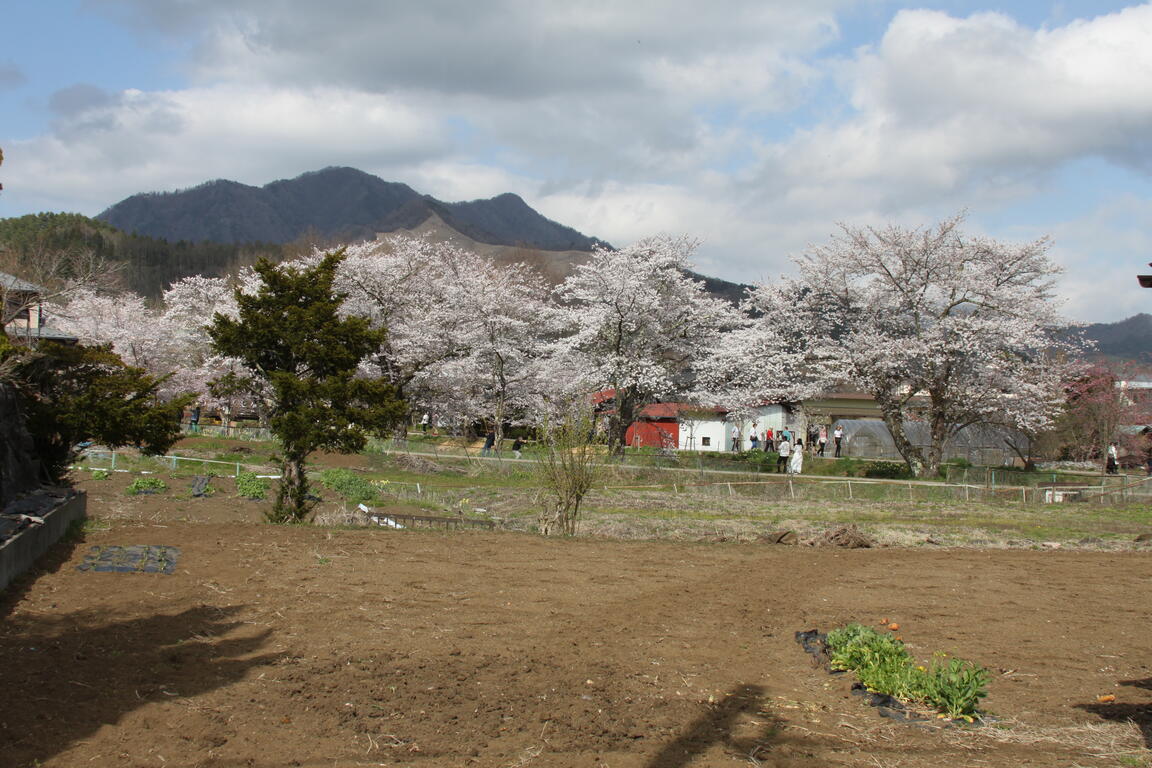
(756, 126)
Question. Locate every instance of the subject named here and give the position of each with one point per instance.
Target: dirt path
(304, 647)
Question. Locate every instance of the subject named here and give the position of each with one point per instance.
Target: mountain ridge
(334, 202)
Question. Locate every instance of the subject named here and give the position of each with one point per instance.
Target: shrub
(251, 487)
(888, 470)
(146, 485)
(882, 664)
(101, 474)
(348, 484)
(955, 686)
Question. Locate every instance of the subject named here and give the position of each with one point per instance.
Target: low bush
(250, 486)
(101, 474)
(146, 485)
(883, 664)
(348, 484)
(888, 470)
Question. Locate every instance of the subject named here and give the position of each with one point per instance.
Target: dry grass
(1093, 740)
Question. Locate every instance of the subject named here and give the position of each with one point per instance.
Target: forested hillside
(144, 265)
(341, 203)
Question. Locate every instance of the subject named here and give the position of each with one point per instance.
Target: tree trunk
(893, 416)
(292, 503)
(619, 423)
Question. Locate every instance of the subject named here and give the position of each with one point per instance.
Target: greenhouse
(980, 444)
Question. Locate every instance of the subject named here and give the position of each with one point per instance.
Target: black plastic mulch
(139, 558)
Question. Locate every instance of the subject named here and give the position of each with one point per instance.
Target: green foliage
(304, 355)
(146, 485)
(758, 461)
(146, 265)
(883, 664)
(348, 484)
(888, 470)
(954, 686)
(101, 474)
(250, 486)
(76, 394)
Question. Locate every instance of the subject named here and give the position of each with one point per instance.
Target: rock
(1050, 544)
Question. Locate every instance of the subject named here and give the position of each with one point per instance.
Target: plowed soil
(298, 646)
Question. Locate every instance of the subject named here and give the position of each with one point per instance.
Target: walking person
(754, 439)
(838, 436)
(821, 441)
(489, 442)
(1112, 466)
(769, 440)
(785, 449)
(517, 446)
(796, 460)
(424, 422)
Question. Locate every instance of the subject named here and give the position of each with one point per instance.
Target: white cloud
(140, 142)
(625, 119)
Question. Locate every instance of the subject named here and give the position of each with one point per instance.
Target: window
(705, 441)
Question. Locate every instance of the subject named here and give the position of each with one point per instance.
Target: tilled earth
(298, 646)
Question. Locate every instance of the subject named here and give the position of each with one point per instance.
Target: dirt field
(296, 646)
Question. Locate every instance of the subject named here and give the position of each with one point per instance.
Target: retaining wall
(20, 552)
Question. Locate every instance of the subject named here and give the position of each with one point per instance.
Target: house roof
(43, 332)
(12, 283)
(660, 411)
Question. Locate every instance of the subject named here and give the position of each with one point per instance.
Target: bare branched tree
(567, 468)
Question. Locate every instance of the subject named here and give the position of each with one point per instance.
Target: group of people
(790, 448)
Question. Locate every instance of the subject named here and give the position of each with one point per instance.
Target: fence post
(730, 489)
(173, 463)
(791, 490)
(850, 490)
(418, 491)
(113, 459)
(237, 470)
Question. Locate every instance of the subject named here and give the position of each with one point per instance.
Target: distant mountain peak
(337, 202)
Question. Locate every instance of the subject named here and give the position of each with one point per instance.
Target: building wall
(653, 434)
(720, 431)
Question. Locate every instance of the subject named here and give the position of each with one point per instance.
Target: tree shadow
(57, 556)
(66, 676)
(1140, 714)
(716, 725)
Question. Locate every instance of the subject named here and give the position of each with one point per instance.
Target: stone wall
(19, 467)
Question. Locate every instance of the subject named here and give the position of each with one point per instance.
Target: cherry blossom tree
(415, 288)
(936, 324)
(637, 325)
(137, 333)
(1099, 402)
(499, 371)
(764, 360)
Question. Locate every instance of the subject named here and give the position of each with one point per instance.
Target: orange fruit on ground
(893, 626)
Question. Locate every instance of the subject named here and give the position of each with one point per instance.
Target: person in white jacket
(796, 460)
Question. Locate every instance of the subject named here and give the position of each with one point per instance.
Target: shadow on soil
(1140, 714)
(65, 676)
(716, 725)
(50, 562)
